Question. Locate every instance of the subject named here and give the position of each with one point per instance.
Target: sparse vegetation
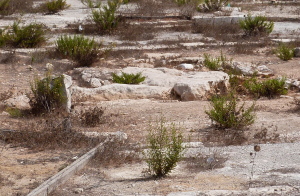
(91, 4)
(213, 5)
(105, 16)
(227, 113)
(48, 94)
(92, 116)
(285, 52)
(165, 148)
(83, 50)
(27, 36)
(55, 6)
(256, 26)
(270, 88)
(126, 78)
(219, 63)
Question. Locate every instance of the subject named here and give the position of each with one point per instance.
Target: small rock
(49, 66)
(78, 190)
(186, 66)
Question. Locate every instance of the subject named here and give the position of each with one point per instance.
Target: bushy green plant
(83, 50)
(269, 88)
(55, 6)
(258, 25)
(211, 63)
(48, 94)
(105, 17)
(165, 148)
(126, 78)
(27, 36)
(226, 112)
(4, 6)
(218, 63)
(213, 5)
(285, 52)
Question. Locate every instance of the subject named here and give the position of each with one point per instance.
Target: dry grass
(221, 32)
(200, 162)
(116, 153)
(48, 133)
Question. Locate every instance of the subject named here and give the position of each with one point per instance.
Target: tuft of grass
(28, 36)
(54, 6)
(126, 78)
(83, 50)
(48, 94)
(270, 88)
(219, 63)
(14, 112)
(227, 113)
(256, 26)
(165, 148)
(285, 52)
(105, 16)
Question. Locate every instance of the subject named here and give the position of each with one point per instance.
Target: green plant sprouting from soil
(48, 94)
(105, 16)
(54, 6)
(126, 78)
(227, 112)
(27, 36)
(270, 88)
(256, 25)
(165, 148)
(285, 52)
(83, 50)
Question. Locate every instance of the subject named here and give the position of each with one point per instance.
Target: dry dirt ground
(274, 170)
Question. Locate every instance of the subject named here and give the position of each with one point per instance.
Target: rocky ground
(274, 170)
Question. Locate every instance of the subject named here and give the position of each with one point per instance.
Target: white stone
(95, 83)
(20, 102)
(186, 66)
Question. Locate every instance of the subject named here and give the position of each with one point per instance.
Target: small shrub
(254, 26)
(92, 117)
(48, 94)
(285, 52)
(80, 49)
(218, 63)
(55, 6)
(270, 88)
(165, 148)
(28, 36)
(212, 5)
(126, 78)
(227, 113)
(213, 64)
(104, 17)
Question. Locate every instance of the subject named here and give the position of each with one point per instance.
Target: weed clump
(126, 78)
(227, 113)
(165, 148)
(4, 6)
(80, 49)
(270, 88)
(28, 36)
(54, 6)
(256, 26)
(105, 17)
(48, 94)
(285, 52)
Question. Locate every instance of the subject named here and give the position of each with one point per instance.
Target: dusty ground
(24, 169)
